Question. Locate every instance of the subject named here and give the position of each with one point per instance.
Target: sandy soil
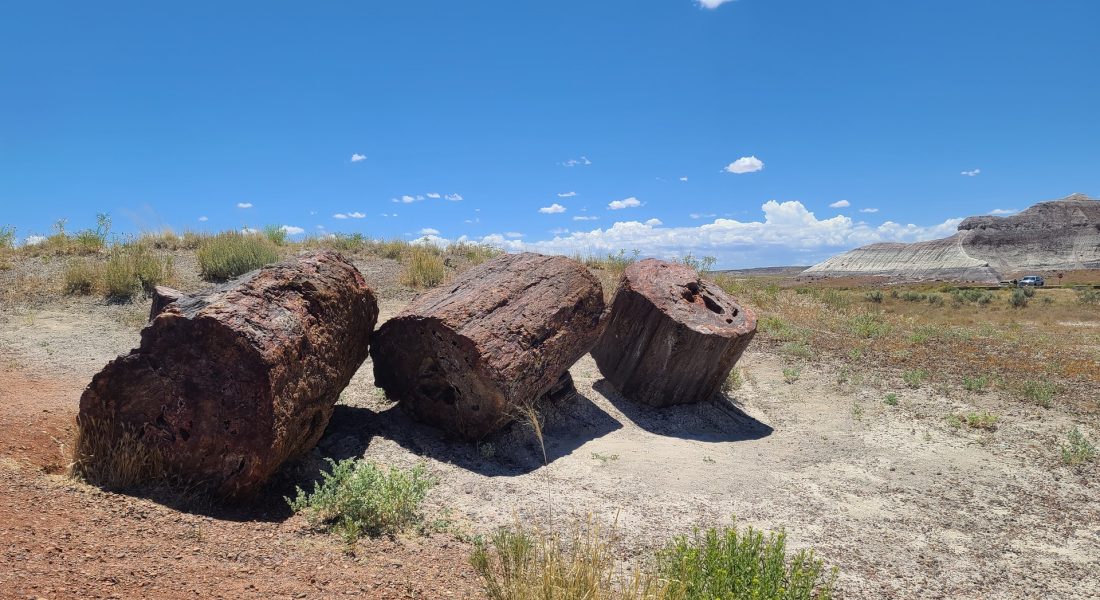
(905, 505)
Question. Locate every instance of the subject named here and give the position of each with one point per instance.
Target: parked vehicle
(1032, 280)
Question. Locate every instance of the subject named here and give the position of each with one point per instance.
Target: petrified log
(162, 296)
(229, 384)
(464, 357)
(671, 337)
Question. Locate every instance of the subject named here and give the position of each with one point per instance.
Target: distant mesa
(1059, 235)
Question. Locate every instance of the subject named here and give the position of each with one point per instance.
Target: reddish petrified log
(229, 384)
(465, 356)
(671, 337)
(162, 296)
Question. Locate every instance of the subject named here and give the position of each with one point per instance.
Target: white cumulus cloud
(433, 195)
(292, 230)
(453, 197)
(840, 204)
(244, 205)
(654, 222)
(552, 209)
(973, 173)
(339, 216)
(745, 164)
(33, 240)
(429, 231)
(630, 202)
(357, 157)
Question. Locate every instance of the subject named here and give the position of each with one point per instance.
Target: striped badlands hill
(1050, 236)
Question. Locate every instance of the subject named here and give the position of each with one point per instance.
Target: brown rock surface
(672, 337)
(229, 384)
(465, 355)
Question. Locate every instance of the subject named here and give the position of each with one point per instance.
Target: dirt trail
(905, 505)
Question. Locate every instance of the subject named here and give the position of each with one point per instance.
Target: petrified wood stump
(466, 355)
(672, 337)
(229, 384)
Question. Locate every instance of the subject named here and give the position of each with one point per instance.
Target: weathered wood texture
(229, 384)
(671, 337)
(466, 355)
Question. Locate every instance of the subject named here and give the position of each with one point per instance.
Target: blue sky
(666, 125)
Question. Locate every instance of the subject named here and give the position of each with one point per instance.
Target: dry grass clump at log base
(230, 254)
(519, 563)
(361, 498)
(424, 267)
(1043, 352)
(104, 459)
(129, 270)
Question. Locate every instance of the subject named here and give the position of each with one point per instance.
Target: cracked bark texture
(465, 356)
(229, 384)
(671, 337)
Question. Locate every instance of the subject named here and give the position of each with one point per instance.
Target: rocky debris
(229, 384)
(465, 356)
(1058, 235)
(671, 337)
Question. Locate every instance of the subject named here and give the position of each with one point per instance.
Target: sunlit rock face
(1050, 236)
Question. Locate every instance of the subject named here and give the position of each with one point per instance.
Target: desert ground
(832, 440)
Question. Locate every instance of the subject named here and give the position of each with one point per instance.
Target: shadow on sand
(718, 420)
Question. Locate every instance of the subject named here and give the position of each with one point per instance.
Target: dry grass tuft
(425, 267)
(107, 458)
(230, 254)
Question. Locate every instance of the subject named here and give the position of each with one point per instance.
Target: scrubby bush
(475, 254)
(425, 267)
(1077, 450)
(1038, 391)
(935, 299)
(274, 233)
(914, 296)
(1088, 297)
(1018, 299)
(914, 378)
(131, 269)
(875, 296)
(975, 384)
(7, 237)
(868, 325)
(361, 498)
(82, 277)
(227, 255)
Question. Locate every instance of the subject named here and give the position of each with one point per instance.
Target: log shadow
(568, 422)
(717, 420)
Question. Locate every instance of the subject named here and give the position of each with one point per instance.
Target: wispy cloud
(745, 164)
(350, 215)
(584, 218)
(683, 179)
(292, 230)
(389, 214)
(406, 199)
(433, 195)
(567, 194)
(204, 219)
(559, 230)
(868, 210)
(1004, 211)
(630, 202)
(973, 173)
(429, 231)
(357, 157)
(244, 205)
(552, 209)
(840, 204)
(575, 162)
(453, 197)
(712, 4)
(515, 235)
(702, 215)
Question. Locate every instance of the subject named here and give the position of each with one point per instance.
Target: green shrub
(913, 297)
(699, 265)
(7, 237)
(1088, 297)
(868, 325)
(975, 384)
(82, 277)
(797, 349)
(359, 497)
(132, 269)
(791, 374)
(425, 267)
(1077, 450)
(982, 420)
(1039, 392)
(935, 299)
(1018, 299)
(229, 254)
(726, 563)
(875, 296)
(914, 378)
(1028, 291)
(274, 233)
(891, 399)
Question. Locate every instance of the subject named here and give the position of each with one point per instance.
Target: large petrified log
(465, 356)
(672, 337)
(229, 384)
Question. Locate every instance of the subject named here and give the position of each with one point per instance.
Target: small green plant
(230, 254)
(868, 325)
(604, 458)
(935, 299)
(1039, 392)
(797, 349)
(975, 384)
(791, 374)
(1028, 291)
(277, 235)
(953, 421)
(733, 382)
(914, 378)
(855, 354)
(1018, 299)
(699, 265)
(7, 237)
(1077, 450)
(728, 563)
(982, 420)
(913, 297)
(875, 296)
(425, 267)
(857, 411)
(361, 498)
(891, 399)
(709, 460)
